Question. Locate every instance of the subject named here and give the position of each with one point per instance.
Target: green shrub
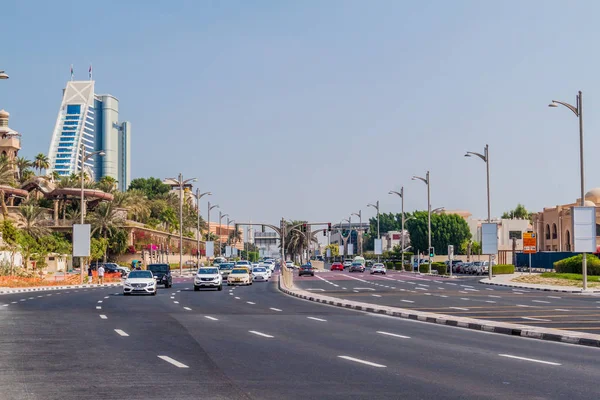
(440, 267)
(424, 268)
(408, 267)
(398, 266)
(572, 265)
(389, 265)
(501, 269)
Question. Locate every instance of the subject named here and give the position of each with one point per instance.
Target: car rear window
(239, 271)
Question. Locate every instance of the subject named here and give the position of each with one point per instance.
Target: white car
(260, 274)
(267, 265)
(347, 263)
(208, 277)
(290, 264)
(378, 268)
(239, 276)
(139, 282)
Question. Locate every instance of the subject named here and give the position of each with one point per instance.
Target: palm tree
(107, 184)
(105, 221)
(295, 241)
(137, 205)
(32, 220)
(41, 162)
(7, 178)
(22, 164)
(235, 236)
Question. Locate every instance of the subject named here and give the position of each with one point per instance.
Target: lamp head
(3, 75)
(102, 153)
(553, 104)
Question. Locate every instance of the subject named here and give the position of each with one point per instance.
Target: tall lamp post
(427, 181)
(221, 216)
(3, 75)
(349, 236)
(401, 194)
(229, 221)
(359, 215)
(208, 223)
(181, 183)
(198, 196)
(84, 158)
(485, 157)
(578, 111)
(376, 206)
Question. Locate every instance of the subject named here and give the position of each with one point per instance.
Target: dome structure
(593, 195)
(4, 114)
(589, 203)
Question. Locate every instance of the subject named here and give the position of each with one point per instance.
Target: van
(359, 259)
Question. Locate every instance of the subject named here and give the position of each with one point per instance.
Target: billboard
(378, 247)
(350, 249)
(584, 229)
(81, 240)
(210, 249)
(489, 238)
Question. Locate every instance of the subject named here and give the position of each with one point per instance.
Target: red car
(337, 266)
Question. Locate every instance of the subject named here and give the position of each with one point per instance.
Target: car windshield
(242, 263)
(157, 268)
(378, 266)
(259, 270)
(140, 274)
(226, 266)
(207, 271)
(307, 266)
(239, 271)
(357, 264)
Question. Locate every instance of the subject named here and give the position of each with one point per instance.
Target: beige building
(554, 225)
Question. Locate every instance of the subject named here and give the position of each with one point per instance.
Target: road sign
(529, 243)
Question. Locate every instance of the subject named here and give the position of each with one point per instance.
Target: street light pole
(401, 194)
(427, 181)
(359, 215)
(84, 158)
(486, 159)
(229, 221)
(181, 183)
(221, 216)
(578, 111)
(198, 197)
(208, 222)
(376, 206)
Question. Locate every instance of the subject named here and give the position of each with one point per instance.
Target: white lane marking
(443, 295)
(529, 359)
(211, 318)
(462, 291)
(355, 291)
(407, 301)
(317, 319)
(393, 287)
(237, 298)
(250, 302)
(231, 294)
(316, 290)
(441, 288)
(275, 309)
(535, 319)
(261, 334)
(560, 309)
(376, 295)
(13, 302)
(464, 298)
(524, 305)
(420, 288)
(106, 297)
(325, 280)
(363, 288)
(99, 301)
(554, 297)
(422, 284)
(540, 301)
(31, 298)
(520, 290)
(103, 316)
(496, 297)
(459, 308)
(393, 334)
(176, 302)
(98, 308)
(5, 305)
(344, 288)
(187, 308)
(172, 297)
(450, 283)
(427, 294)
(489, 289)
(172, 361)
(121, 332)
(490, 301)
(372, 364)
(473, 290)
(178, 291)
(40, 296)
(466, 286)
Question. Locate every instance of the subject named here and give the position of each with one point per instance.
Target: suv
(208, 277)
(162, 273)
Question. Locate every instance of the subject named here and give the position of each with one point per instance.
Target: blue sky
(312, 109)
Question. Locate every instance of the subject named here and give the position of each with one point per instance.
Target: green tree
(446, 229)
(519, 212)
(7, 178)
(22, 165)
(152, 187)
(335, 250)
(41, 162)
(98, 248)
(105, 222)
(32, 220)
(107, 184)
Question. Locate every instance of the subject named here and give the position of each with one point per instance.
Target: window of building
(71, 122)
(568, 243)
(63, 156)
(72, 117)
(74, 109)
(554, 232)
(69, 128)
(547, 231)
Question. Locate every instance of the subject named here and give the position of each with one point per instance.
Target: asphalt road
(463, 296)
(256, 343)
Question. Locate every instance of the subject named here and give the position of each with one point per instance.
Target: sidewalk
(505, 280)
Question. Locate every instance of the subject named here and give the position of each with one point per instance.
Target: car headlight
(151, 283)
(127, 284)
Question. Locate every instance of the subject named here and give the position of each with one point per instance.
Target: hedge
(389, 265)
(424, 268)
(408, 267)
(398, 266)
(572, 265)
(440, 267)
(502, 269)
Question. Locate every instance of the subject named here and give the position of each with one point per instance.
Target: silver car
(378, 268)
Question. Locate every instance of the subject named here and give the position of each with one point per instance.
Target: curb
(46, 288)
(538, 288)
(554, 335)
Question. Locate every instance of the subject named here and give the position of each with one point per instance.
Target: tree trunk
(106, 250)
(3, 204)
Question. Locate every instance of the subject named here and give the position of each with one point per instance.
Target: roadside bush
(440, 267)
(572, 265)
(389, 265)
(398, 266)
(501, 269)
(424, 268)
(408, 267)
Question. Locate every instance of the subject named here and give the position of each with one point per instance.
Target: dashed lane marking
(172, 361)
(393, 335)
(250, 302)
(459, 308)
(317, 319)
(407, 301)
(211, 318)
(261, 334)
(529, 359)
(121, 332)
(358, 360)
(535, 319)
(187, 308)
(102, 316)
(274, 309)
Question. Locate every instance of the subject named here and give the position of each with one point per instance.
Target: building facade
(10, 140)
(90, 121)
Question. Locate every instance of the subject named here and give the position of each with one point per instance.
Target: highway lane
(259, 343)
(463, 297)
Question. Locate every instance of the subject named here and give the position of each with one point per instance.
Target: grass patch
(571, 277)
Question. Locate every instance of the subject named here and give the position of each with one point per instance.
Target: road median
(286, 285)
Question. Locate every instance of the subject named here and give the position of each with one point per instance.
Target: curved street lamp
(427, 181)
(3, 75)
(578, 111)
(181, 183)
(360, 239)
(401, 195)
(198, 196)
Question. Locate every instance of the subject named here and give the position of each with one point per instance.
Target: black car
(357, 267)
(306, 269)
(162, 273)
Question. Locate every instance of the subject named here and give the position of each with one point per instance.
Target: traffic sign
(529, 243)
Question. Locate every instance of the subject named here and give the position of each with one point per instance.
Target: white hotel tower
(90, 120)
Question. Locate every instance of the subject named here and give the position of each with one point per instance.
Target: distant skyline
(313, 109)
